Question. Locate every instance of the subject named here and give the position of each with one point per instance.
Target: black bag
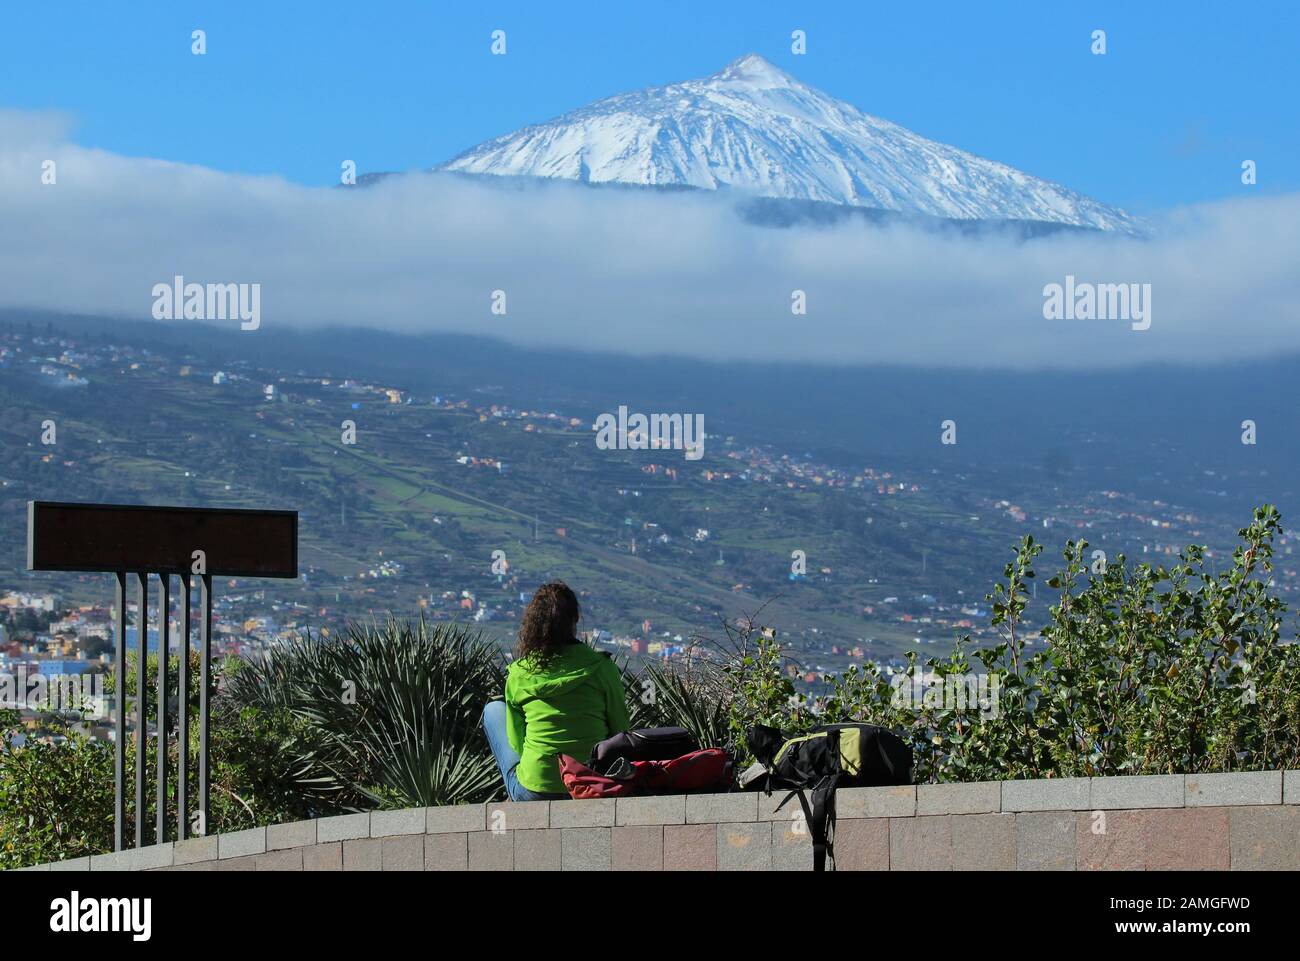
(642, 744)
(834, 755)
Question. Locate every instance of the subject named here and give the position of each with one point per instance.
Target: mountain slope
(754, 128)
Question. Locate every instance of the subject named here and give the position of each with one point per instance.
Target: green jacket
(566, 708)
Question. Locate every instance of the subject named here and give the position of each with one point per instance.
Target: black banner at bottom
(230, 911)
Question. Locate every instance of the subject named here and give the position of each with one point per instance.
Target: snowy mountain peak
(756, 71)
(752, 128)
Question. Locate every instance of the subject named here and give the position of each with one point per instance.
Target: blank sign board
(122, 537)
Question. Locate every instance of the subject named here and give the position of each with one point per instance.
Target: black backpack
(831, 756)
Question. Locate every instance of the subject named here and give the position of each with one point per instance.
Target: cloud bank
(676, 274)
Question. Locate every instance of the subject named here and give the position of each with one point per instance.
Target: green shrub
(56, 789)
(56, 799)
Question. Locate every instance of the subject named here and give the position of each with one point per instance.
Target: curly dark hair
(549, 623)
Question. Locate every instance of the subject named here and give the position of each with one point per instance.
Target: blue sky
(1184, 94)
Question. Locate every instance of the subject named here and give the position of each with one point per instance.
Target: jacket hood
(570, 668)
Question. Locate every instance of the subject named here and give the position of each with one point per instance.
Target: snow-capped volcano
(756, 129)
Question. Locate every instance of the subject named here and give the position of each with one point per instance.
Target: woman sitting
(562, 697)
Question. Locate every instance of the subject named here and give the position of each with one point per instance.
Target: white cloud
(625, 271)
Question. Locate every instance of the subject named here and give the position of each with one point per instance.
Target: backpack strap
(820, 814)
(884, 756)
(822, 822)
(820, 818)
(819, 843)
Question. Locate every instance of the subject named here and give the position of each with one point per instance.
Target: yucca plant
(393, 708)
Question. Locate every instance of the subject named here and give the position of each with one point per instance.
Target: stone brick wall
(1165, 822)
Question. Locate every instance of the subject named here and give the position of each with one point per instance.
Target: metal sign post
(126, 539)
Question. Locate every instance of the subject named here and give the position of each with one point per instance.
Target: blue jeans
(494, 726)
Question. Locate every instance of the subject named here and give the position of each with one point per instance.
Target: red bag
(700, 771)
